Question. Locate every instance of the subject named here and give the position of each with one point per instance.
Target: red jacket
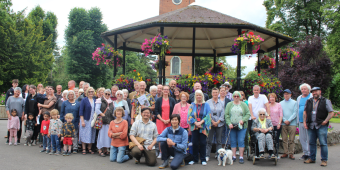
(44, 127)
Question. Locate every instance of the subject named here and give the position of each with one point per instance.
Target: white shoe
(171, 157)
(207, 159)
(204, 163)
(10, 144)
(191, 162)
(159, 155)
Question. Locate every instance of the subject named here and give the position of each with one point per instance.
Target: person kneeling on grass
(173, 141)
(68, 133)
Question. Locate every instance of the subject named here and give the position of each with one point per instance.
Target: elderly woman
(71, 105)
(118, 130)
(18, 103)
(120, 102)
(182, 109)
(261, 127)
(100, 92)
(225, 101)
(87, 134)
(236, 116)
(199, 119)
(153, 92)
(76, 92)
(217, 121)
(177, 97)
(276, 114)
(104, 108)
(61, 100)
(126, 98)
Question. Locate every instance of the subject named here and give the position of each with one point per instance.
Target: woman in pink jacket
(182, 108)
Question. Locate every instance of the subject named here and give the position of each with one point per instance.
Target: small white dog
(225, 155)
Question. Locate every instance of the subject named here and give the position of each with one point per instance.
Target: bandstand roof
(214, 32)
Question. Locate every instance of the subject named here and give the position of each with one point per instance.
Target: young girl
(30, 124)
(54, 132)
(68, 134)
(13, 126)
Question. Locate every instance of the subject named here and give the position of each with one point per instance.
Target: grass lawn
(335, 120)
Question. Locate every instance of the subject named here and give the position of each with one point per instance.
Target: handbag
(98, 124)
(94, 118)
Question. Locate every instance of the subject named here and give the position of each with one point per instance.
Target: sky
(117, 13)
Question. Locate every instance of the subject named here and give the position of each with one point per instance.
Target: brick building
(178, 64)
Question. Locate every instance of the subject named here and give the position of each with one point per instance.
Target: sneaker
(241, 161)
(323, 163)
(191, 163)
(29, 144)
(47, 151)
(68, 153)
(57, 153)
(234, 159)
(34, 143)
(207, 159)
(164, 165)
(52, 153)
(308, 161)
(10, 144)
(159, 155)
(18, 142)
(204, 163)
(25, 144)
(171, 157)
(15, 144)
(273, 156)
(64, 153)
(44, 150)
(261, 155)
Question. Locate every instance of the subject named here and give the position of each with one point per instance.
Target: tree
(312, 67)
(297, 18)
(82, 38)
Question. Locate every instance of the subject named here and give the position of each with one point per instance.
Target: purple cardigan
(85, 108)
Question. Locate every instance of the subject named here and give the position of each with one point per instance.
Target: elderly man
(228, 87)
(318, 111)
(81, 84)
(303, 133)
(159, 91)
(289, 110)
(146, 129)
(172, 85)
(58, 95)
(136, 106)
(86, 86)
(197, 86)
(136, 87)
(18, 103)
(71, 85)
(114, 89)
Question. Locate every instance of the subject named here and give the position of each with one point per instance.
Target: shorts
(67, 141)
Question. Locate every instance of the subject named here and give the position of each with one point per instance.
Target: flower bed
(127, 81)
(268, 83)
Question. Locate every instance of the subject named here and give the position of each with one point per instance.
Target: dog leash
(227, 140)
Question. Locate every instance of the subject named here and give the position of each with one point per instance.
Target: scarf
(263, 123)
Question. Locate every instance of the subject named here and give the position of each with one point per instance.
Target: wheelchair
(254, 149)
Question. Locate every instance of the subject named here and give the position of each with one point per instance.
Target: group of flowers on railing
(219, 69)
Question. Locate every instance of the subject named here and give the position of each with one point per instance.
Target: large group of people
(164, 122)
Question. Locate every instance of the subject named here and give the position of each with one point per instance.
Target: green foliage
(297, 18)
(82, 38)
(26, 54)
(2, 98)
(335, 90)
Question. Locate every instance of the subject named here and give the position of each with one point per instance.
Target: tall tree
(297, 18)
(82, 38)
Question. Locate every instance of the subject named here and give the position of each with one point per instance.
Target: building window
(177, 2)
(175, 66)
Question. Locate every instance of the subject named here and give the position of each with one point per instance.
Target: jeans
(218, 136)
(237, 138)
(118, 154)
(55, 143)
(320, 133)
(170, 151)
(199, 142)
(46, 143)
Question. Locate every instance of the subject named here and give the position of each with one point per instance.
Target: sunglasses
(262, 114)
(236, 96)
(107, 94)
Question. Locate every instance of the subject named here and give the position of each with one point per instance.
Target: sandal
(90, 151)
(102, 154)
(84, 152)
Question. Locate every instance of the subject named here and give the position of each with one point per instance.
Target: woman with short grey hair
(61, 100)
(126, 98)
(18, 103)
(120, 102)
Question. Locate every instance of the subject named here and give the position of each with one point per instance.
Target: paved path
(25, 157)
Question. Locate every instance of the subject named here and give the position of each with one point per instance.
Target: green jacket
(246, 113)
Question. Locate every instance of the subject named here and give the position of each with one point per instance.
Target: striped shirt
(147, 131)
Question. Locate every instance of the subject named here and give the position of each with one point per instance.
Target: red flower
(134, 70)
(243, 32)
(252, 43)
(103, 44)
(259, 74)
(251, 33)
(220, 64)
(220, 73)
(168, 51)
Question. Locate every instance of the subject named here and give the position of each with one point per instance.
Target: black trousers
(18, 133)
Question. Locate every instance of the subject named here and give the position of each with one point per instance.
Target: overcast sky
(117, 13)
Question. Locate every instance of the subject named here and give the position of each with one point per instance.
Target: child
(45, 124)
(41, 97)
(13, 126)
(68, 134)
(30, 124)
(54, 132)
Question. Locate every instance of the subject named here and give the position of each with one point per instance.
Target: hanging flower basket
(246, 43)
(267, 62)
(105, 55)
(156, 64)
(158, 45)
(219, 69)
(289, 54)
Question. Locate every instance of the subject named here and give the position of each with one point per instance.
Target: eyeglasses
(262, 114)
(107, 94)
(91, 91)
(236, 96)
(119, 94)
